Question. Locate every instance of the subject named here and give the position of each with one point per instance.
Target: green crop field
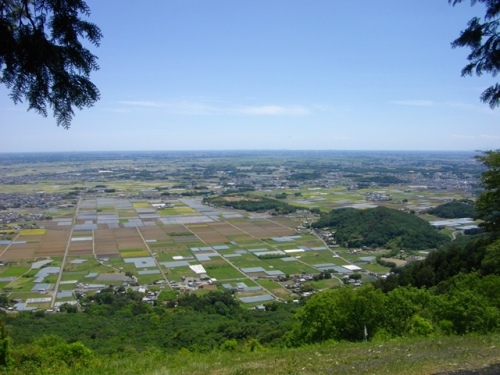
(223, 271)
(6, 271)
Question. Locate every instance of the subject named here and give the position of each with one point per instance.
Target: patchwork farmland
(134, 242)
(78, 224)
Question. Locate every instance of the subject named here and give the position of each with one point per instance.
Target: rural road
(59, 276)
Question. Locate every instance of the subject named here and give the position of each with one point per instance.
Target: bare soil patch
(105, 243)
(225, 229)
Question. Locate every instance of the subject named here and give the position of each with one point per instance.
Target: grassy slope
(408, 356)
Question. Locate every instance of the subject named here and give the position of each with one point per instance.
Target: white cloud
(200, 108)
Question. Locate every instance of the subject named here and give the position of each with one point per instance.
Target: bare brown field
(213, 238)
(175, 228)
(35, 238)
(254, 230)
(105, 243)
(154, 233)
(272, 228)
(225, 229)
(81, 248)
(264, 229)
(207, 234)
(51, 249)
(55, 238)
(20, 251)
(53, 243)
(129, 238)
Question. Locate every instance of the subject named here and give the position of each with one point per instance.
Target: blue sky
(272, 74)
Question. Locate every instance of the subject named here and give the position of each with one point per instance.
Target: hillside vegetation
(114, 321)
(455, 209)
(381, 227)
(414, 356)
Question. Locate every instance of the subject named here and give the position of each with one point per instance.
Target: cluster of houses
(377, 197)
(9, 217)
(29, 200)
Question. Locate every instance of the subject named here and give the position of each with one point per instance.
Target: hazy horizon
(247, 150)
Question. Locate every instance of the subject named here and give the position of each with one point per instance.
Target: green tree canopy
(42, 58)
(488, 204)
(340, 314)
(454, 209)
(381, 226)
(483, 38)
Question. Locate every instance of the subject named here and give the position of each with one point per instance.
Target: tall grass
(405, 356)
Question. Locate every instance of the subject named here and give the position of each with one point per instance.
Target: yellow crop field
(33, 232)
(141, 204)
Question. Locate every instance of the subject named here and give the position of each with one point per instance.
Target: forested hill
(381, 227)
(251, 203)
(455, 209)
